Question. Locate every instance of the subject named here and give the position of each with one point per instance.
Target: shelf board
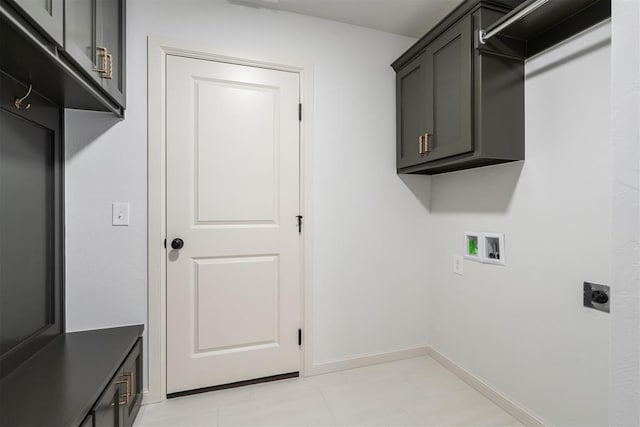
(554, 21)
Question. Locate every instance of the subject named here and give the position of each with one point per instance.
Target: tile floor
(411, 392)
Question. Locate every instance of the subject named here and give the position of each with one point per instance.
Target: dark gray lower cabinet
(89, 379)
(120, 402)
(107, 412)
(47, 15)
(131, 374)
(88, 421)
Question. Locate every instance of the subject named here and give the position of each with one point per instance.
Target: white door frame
(157, 49)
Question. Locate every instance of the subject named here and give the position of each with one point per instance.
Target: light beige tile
(462, 408)
(284, 388)
(437, 380)
(364, 401)
(181, 419)
(197, 403)
(308, 409)
(411, 392)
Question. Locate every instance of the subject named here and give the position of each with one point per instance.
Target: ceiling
(412, 18)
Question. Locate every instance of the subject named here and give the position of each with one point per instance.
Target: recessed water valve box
(596, 296)
(493, 250)
(473, 246)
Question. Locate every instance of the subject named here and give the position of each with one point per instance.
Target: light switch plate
(119, 213)
(458, 263)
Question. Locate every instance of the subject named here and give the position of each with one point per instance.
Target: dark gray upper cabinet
(448, 94)
(112, 19)
(81, 36)
(460, 101)
(95, 38)
(85, 68)
(47, 15)
(459, 107)
(411, 116)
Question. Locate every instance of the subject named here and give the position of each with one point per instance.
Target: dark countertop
(59, 385)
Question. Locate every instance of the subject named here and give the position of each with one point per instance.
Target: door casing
(158, 48)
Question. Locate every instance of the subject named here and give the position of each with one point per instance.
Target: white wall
(370, 286)
(522, 328)
(625, 138)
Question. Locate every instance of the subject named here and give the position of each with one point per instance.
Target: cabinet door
(88, 421)
(112, 19)
(449, 98)
(47, 14)
(107, 412)
(411, 117)
(132, 375)
(80, 41)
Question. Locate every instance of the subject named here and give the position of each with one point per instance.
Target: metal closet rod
(485, 35)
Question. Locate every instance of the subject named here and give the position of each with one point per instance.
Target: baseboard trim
(368, 360)
(516, 410)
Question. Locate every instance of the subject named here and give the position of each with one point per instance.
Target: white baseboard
(516, 410)
(362, 361)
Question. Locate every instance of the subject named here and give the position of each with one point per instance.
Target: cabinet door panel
(88, 421)
(107, 411)
(81, 36)
(47, 14)
(132, 373)
(112, 17)
(449, 106)
(410, 112)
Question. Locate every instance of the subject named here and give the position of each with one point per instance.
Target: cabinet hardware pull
(420, 145)
(427, 143)
(104, 53)
(109, 73)
(126, 379)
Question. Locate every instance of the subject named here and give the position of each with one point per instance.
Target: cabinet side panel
(500, 112)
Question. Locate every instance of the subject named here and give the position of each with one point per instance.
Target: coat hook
(18, 101)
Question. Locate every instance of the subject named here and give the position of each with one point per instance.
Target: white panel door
(234, 288)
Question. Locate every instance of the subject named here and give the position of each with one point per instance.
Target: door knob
(177, 243)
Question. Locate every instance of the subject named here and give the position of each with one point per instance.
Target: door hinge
(299, 112)
(299, 223)
(165, 243)
(300, 337)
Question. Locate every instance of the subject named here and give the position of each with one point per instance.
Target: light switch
(120, 213)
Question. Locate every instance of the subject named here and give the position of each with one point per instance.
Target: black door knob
(177, 243)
